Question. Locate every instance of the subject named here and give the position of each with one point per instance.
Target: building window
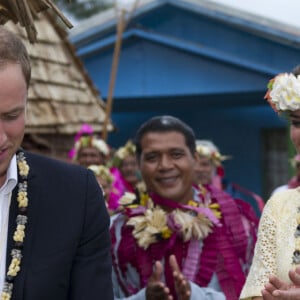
(275, 144)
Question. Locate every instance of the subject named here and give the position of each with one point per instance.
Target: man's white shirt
(5, 199)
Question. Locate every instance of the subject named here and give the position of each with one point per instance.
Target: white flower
(127, 199)
(101, 146)
(285, 93)
(148, 226)
(128, 149)
(121, 153)
(197, 227)
(212, 154)
(203, 150)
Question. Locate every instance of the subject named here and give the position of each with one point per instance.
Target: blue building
(206, 64)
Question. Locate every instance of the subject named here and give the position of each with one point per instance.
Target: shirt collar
(11, 177)
(196, 194)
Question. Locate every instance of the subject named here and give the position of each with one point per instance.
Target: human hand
(182, 285)
(275, 284)
(156, 289)
(295, 276)
(278, 289)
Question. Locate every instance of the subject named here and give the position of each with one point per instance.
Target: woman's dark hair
(165, 124)
(296, 70)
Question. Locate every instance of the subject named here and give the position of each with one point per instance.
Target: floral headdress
(123, 152)
(90, 141)
(210, 151)
(284, 92)
(102, 172)
(85, 130)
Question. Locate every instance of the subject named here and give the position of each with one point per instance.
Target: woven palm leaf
(25, 12)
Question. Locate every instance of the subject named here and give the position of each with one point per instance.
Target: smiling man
(175, 240)
(166, 163)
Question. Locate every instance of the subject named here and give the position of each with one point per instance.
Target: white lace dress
(276, 242)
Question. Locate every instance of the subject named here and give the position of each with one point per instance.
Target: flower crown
(211, 154)
(284, 92)
(102, 172)
(123, 152)
(91, 141)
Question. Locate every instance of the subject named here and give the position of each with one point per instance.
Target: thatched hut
(62, 96)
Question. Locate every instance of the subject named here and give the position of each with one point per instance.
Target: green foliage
(82, 9)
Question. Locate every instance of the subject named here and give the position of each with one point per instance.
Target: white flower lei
(152, 226)
(19, 234)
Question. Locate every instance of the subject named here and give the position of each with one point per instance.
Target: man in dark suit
(54, 236)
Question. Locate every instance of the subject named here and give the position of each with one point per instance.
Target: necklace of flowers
(151, 223)
(19, 234)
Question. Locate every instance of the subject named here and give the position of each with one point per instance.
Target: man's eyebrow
(176, 148)
(16, 109)
(150, 151)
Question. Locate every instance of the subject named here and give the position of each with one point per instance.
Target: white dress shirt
(5, 197)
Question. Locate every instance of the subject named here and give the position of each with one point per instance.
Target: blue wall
(149, 70)
(207, 68)
(236, 131)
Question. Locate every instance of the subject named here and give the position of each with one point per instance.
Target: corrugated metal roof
(61, 96)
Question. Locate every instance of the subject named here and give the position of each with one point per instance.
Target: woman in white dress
(274, 273)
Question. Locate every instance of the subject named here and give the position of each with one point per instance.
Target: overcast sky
(287, 11)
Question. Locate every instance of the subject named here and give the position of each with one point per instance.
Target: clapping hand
(156, 289)
(182, 285)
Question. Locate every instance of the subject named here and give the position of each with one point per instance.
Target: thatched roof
(25, 12)
(61, 95)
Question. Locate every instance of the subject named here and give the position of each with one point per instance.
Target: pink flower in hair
(85, 129)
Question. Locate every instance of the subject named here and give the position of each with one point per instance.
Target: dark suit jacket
(66, 253)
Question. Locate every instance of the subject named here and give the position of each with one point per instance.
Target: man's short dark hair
(165, 124)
